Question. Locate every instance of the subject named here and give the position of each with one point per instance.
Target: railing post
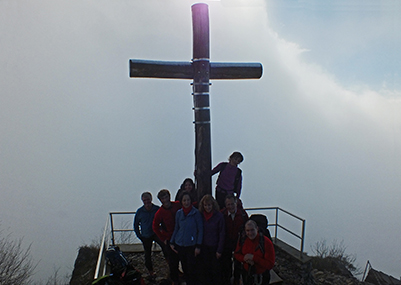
(368, 265)
(112, 229)
(275, 231)
(303, 237)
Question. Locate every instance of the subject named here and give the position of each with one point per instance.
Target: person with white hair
(256, 253)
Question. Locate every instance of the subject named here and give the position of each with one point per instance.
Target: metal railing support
(302, 237)
(368, 266)
(276, 225)
(112, 229)
(100, 258)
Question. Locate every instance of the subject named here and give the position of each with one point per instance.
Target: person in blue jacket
(143, 229)
(187, 238)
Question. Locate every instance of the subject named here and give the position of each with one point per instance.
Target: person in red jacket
(163, 226)
(256, 255)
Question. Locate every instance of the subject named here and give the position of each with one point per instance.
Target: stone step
(136, 247)
(274, 278)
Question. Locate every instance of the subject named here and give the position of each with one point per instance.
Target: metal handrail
(276, 226)
(118, 230)
(100, 260)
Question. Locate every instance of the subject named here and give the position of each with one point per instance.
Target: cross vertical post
(201, 67)
(200, 70)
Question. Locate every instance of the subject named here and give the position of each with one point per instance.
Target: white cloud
(77, 134)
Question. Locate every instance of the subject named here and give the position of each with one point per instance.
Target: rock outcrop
(85, 265)
(292, 271)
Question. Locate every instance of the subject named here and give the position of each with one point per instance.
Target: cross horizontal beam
(185, 70)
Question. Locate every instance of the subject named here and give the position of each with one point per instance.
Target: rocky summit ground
(290, 270)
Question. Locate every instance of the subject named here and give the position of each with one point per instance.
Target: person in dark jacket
(143, 229)
(187, 185)
(187, 238)
(213, 241)
(230, 178)
(235, 218)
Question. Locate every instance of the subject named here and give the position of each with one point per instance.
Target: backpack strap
(241, 240)
(261, 244)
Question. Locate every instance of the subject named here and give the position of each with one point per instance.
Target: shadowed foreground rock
(294, 272)
(85, 265)
(288, 268)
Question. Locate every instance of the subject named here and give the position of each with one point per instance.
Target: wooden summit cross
(200, 70)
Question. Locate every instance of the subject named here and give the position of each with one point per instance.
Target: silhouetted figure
(235, 218)
(163, 226)
(213, 241)
(143, 228)
(187, 238)
(230, 178)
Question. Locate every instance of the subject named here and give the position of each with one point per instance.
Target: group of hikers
(213, 239)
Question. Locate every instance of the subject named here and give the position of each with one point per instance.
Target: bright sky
(320, 131)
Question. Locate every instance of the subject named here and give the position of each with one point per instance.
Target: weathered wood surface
(185, 70)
